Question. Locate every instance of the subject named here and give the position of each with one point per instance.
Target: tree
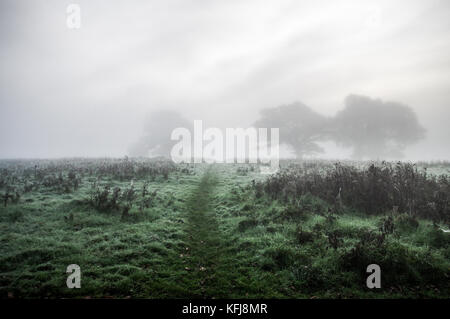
(157, 131)
(300, 127)
(375, 128)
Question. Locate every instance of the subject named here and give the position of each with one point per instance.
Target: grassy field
(157, 230)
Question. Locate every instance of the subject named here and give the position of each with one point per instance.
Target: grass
(208, 234)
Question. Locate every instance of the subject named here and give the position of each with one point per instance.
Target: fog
(88, 91)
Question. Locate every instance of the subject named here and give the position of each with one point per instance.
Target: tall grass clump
(374, 189)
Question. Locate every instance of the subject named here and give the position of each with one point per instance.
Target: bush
(282, 257)
(310, 278)
(437, 238)
(246, 224)
(14, 215)
(406, 223)
(399, 265)
(375, 189)
(303, 237)
(292, 212)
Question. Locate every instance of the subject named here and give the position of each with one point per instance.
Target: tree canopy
(374, 128)
(300, 127)
(371, 127)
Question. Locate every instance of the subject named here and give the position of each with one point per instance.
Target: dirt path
(207, 260)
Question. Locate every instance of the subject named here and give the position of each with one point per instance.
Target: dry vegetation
(150, 228)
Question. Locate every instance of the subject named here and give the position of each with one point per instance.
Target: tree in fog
(158, 128)
(300, 127)
(376, 129)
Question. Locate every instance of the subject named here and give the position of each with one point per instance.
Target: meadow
(149, 228)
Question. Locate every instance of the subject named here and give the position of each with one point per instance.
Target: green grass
(207, 235)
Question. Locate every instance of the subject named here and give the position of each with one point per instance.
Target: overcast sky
(85, 92)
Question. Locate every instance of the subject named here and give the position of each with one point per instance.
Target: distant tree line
(372, 128)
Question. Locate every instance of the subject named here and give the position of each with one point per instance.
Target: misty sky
(85, 92)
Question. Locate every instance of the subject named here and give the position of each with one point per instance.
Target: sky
(85, 92)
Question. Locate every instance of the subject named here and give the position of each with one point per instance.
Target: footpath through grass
(210, 266)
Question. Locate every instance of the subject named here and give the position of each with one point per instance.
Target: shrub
(310, 278)
(246, 224)
(293, 212)
(282, 257)
(303, 237)
(335, 239)
(399, 265)
(15, 215)
(387, 226)
(374, 189)
(437, 238)
(406, 223)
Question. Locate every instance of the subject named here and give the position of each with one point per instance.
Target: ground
(207, 234)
